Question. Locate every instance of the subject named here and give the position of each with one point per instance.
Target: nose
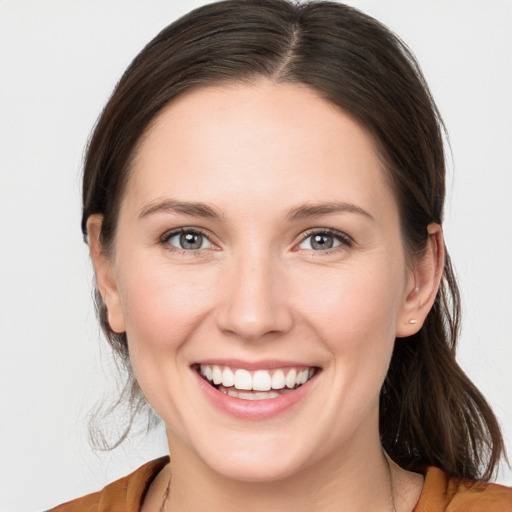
(256, 303)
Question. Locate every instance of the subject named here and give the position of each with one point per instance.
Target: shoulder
(442, 493)
(124, 494)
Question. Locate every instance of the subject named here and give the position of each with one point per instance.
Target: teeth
(248, 395)
(261, 381)
(303, 376)
(216, 375)
(243, 380)
(278, 380)
(228, 378)
(291, 378)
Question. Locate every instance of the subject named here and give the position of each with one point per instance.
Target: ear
(105, 277)
(423, 284)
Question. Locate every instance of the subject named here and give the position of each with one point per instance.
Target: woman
(263, 199)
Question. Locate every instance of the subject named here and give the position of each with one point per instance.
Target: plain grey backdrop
(59, 60)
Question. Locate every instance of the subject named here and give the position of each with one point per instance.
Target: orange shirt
(440, 494)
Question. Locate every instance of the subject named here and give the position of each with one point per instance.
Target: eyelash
(164, 240)
(343, 239)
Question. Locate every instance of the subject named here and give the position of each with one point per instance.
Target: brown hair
(430, 412)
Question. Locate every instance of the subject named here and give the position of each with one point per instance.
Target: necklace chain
(163, 507)
(391, 484)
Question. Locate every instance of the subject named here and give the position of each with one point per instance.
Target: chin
(256, 470)
(251, 457)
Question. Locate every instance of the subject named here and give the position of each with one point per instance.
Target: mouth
(260, 384)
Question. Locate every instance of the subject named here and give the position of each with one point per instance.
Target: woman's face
(259, 245)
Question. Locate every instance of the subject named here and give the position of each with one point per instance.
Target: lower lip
(253, 409)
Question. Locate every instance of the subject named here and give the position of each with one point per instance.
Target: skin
(257, 289)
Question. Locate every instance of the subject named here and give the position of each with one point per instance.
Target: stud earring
(413, 321)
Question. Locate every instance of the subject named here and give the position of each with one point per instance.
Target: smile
(257, 384)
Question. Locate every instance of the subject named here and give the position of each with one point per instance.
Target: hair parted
(430, 412)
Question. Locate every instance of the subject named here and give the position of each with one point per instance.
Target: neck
(340, 483)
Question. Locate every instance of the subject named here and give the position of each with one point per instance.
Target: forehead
(238, 142)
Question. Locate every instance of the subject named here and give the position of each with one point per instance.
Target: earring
(413, 321)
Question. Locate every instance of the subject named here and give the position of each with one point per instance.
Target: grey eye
(320, 242)
(189, 241)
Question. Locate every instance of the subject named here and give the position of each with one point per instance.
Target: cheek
(163, 305)
(354, 308)
(163, 308)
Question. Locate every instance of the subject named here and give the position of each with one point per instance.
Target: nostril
(255, 305)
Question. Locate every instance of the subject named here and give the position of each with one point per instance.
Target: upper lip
(262, 364)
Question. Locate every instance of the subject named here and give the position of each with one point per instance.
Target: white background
(59, 60)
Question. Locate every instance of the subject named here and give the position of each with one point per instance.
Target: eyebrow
(199, 209)
(306, 211)
(182, 207)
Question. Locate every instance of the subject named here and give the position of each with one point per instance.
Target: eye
(187, 240)
(324, 240)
